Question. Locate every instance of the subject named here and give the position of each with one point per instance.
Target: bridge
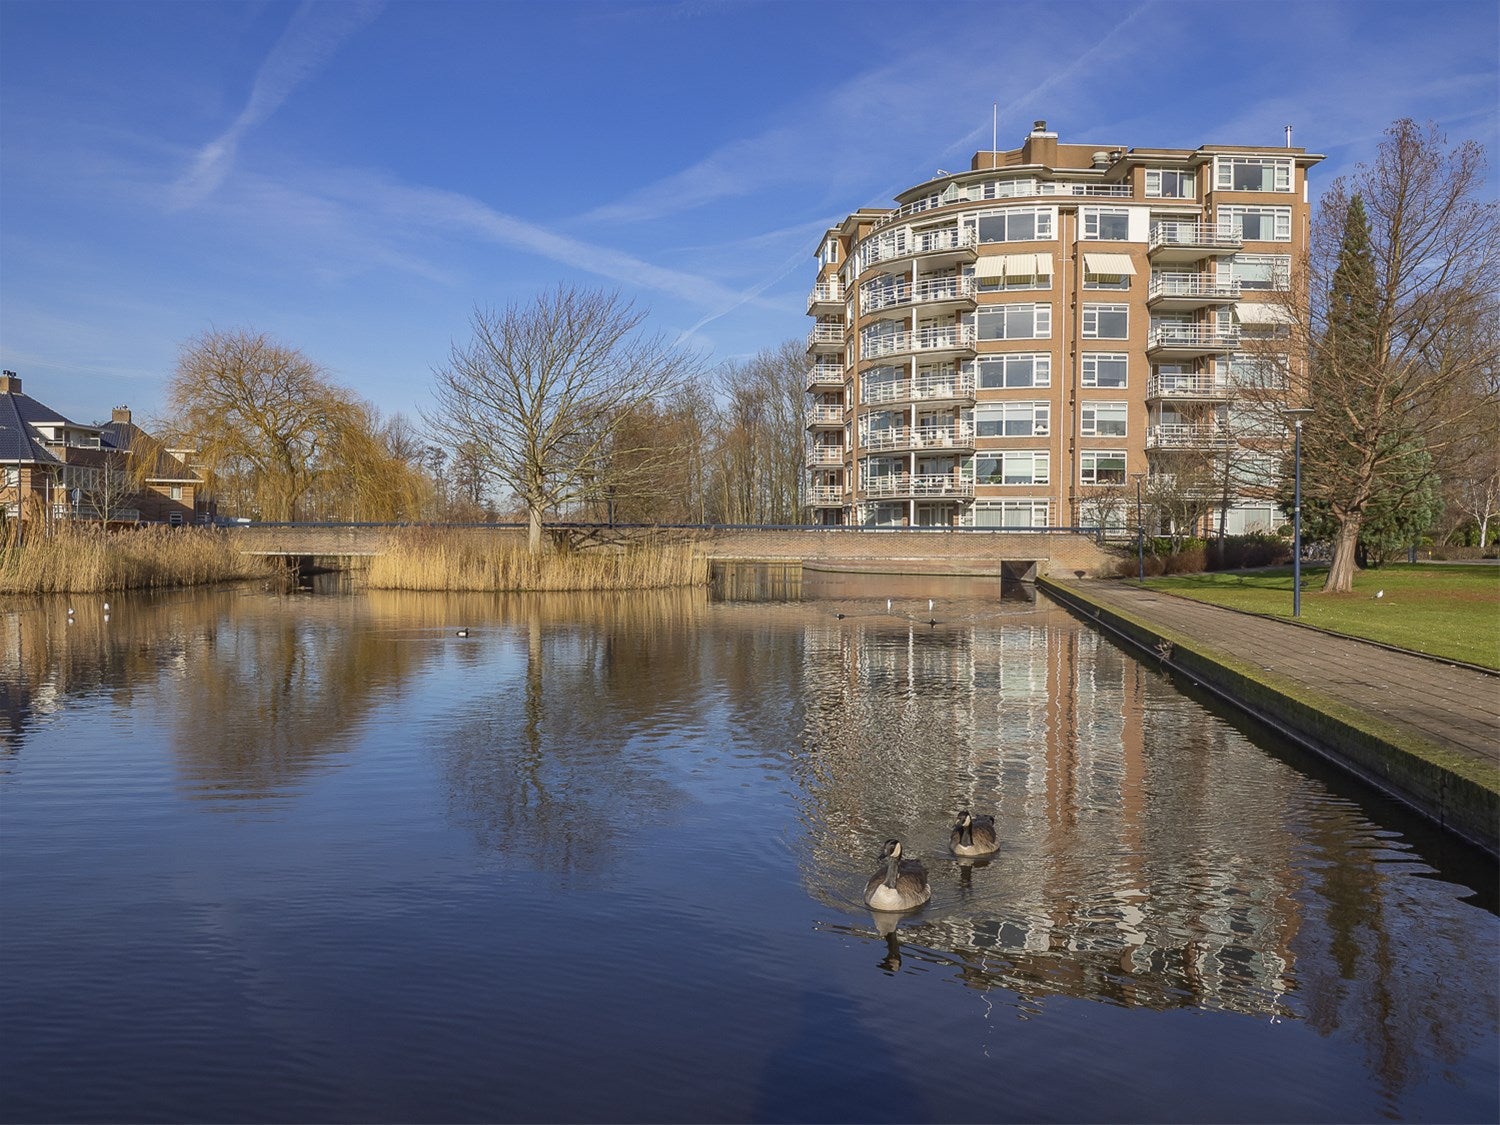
(961, 551)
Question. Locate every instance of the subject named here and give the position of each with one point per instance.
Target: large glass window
(1106, 223)
(1012, 419)
(1257, 224)
(1015, 322)
(1011, 513)
(1102, 419)
(1102, 466)
(1105, 369)
(1261, 271)
(1020, 224)
(1020, 370)
(1022, 466)
(1253, 173)
(1106, 322)
(1167, 183)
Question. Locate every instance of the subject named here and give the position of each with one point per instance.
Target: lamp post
(1140, 531)
(1295, 415)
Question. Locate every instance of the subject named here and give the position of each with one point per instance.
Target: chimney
(1040, 146)
(10, 383)
(120, 414)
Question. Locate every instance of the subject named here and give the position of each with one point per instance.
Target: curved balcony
(1187, 388)
(1188, 435)
(946, 245)
(934, 294)
(826, 337)
(1188, 242)
(959, 437)
(826, 298)
(1187, 291)
(949, 387)
(825, 377)
(823, 415)
(1186, 341)
(949, 340)
(904, 486)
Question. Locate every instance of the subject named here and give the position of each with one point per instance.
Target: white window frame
(1089, 366)
(1282, 173)
(1039, 460)
(1231, 217)
(1088, 465)
(1090, 321)
(1030, 418)
(1041, 370)
(1033, 513)
(1044, 224)
(1089, 223)
(1041, 320)
(1154, 183)
(1088, 418)
(1280, 269)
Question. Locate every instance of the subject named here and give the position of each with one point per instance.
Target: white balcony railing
(1014, 189)
(1193, 338)
(1186, 386)
(825, 293)
(1187, 435)
(949, 386)
(825, 456)
(825, 495)
(826, 334)
(906, 243)
(958, 435)
(1194, 286)
(874, 298)
(825, 374)
(951, 337)
(1208, 235)
(917, 484)
(824, 414)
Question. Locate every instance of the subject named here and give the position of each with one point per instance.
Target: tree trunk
(1341, 569)
(533, 529)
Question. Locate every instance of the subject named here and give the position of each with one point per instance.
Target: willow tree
(547, 391)
(1401, 280)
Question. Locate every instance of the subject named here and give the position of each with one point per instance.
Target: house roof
(20, 444)
(127, 437)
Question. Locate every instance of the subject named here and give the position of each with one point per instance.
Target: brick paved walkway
(1451, 706)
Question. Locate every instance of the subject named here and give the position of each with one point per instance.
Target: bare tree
(760, 435)
(262, 415)
(1401, 279)
(545, 389)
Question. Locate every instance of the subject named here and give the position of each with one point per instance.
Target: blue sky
(354, 178)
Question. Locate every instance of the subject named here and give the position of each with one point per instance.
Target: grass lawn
(1446, 610)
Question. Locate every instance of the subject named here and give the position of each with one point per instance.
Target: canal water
(320, 857)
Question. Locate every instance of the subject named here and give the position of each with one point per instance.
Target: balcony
(825, 376)
(826, 297)
(930, 294)
(908, 485)
(1188, 388)
(822, 414)
(825, 457)
(1188, 435)
(936, 247)
(1186, 341)
(947, 387)
(826, 337)
(825, 496)
(1187, 291)
(1188, 242)
(959, 436)
(951, 339)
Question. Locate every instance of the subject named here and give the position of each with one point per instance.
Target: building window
(1011, 513)
(1267, 372)
(1111, 224)
(1016, 322)
(1166, 183)
(1023, 369)
(1012, 419)
(1257, 224)
(13, 478)
(1022, 224)
(1011, 283)
(1023, 466)
(1261, 271)
(177, 492)
(1105, 369)
(830, 254)
(1102, 467)
(1106, 280)
(1106, 322)
(1102, 419)
(1253, 173)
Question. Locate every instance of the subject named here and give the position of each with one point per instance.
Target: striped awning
(1109, 265)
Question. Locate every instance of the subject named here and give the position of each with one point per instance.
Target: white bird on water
(888, 605)
(1380, 593)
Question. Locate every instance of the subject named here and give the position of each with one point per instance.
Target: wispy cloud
(312, 37)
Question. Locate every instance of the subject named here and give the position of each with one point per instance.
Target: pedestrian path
(1453, 707)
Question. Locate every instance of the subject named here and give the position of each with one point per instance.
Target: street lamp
(1295, 415)
(1140, 531)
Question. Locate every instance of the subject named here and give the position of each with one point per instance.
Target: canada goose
(463, 633)
(901, 884)
(973, 835)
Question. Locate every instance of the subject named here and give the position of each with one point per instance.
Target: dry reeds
(80, 559)
(457, 560)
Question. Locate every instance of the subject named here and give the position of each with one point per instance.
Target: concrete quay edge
(1459, 794)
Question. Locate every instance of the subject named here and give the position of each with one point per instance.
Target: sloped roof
(20, 444)
(126, 437)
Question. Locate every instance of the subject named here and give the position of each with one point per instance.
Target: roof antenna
(995, 135)
(1288, 136)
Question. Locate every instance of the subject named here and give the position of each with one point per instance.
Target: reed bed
(82, 559)
(440, 559)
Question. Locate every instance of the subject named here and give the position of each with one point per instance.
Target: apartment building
(1025, 343)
